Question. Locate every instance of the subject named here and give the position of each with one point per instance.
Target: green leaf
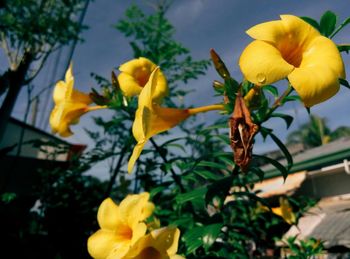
(197, 194)
(327, 23)
(344, 82)
(201, 236)
(340, 27)
(210, 234)
(258, 172)
(193, 239)
(343, 48)
(312, 22)
(219, 188)
(291, 98)
(207, 175)
(272, 89)
(212, 165)
(284, 150)
(287, 118)
(265, 132)
(275, 163)
(154, 191)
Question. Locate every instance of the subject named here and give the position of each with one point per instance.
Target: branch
(176, 178)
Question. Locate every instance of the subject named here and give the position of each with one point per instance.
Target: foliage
(316, 133)
(196, 182)
(304, 249)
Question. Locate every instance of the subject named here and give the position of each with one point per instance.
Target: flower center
(292, 52)
(125, 232)
(142, 75)
(149, 253)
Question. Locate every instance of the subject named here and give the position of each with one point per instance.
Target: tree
(30, 31)
(316, 133)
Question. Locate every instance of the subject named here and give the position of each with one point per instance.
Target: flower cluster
(137, 77)
(123, 233)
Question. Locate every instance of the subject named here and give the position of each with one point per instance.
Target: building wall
(326, 184)
(13, 134)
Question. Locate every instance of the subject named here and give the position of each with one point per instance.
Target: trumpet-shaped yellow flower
(151, 118)
(70, 104)
(292, 48)
(159, 244)
(285, 211)
(135, 75)
(121, 226)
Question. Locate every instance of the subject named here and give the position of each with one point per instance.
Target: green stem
(175, 177)
(116, 171)
(277, 103)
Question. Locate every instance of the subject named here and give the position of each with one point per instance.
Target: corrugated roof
(315, 158)
(328, 221)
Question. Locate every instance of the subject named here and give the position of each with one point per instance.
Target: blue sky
(200, 25)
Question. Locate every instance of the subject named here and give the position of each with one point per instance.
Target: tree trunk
(16, 81)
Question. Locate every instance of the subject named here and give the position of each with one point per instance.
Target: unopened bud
(219, 65)
(218, 85)
(115, 82)
(97, 98)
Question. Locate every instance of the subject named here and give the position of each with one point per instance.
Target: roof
(315, 158)
(328, 221)
(277, 186)
(42, 132)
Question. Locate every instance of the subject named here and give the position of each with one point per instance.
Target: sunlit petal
(101, 243)
(314, 84)
(166, 239)
(262, 64)
(135, 155)
(108, 215)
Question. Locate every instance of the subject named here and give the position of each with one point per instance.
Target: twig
(116, 171)
(176, 178)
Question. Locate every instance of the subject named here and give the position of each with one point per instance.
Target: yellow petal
(161, 119)
(80, 97)
(177, 257)
(323, 51)
(277, 211)
(128, 84)
(101, 243)
(166, 239)
(151, 122)
(314, 84)
(59, 92)
(108, 215)
(131, 208)
(135, 75)
(159, 244)
(138, 231)
(138, 127)
(262, 64)
(316, 80)
(147, 210)
(298, 30)
(69, 80)
(135, 155)
(271, 31)
(290, 28)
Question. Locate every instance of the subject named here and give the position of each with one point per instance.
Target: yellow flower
(285, 211)
(159, 244)
(121, 226)
(70, 104)
(151, 118)
(292, 48)
(135, 75)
